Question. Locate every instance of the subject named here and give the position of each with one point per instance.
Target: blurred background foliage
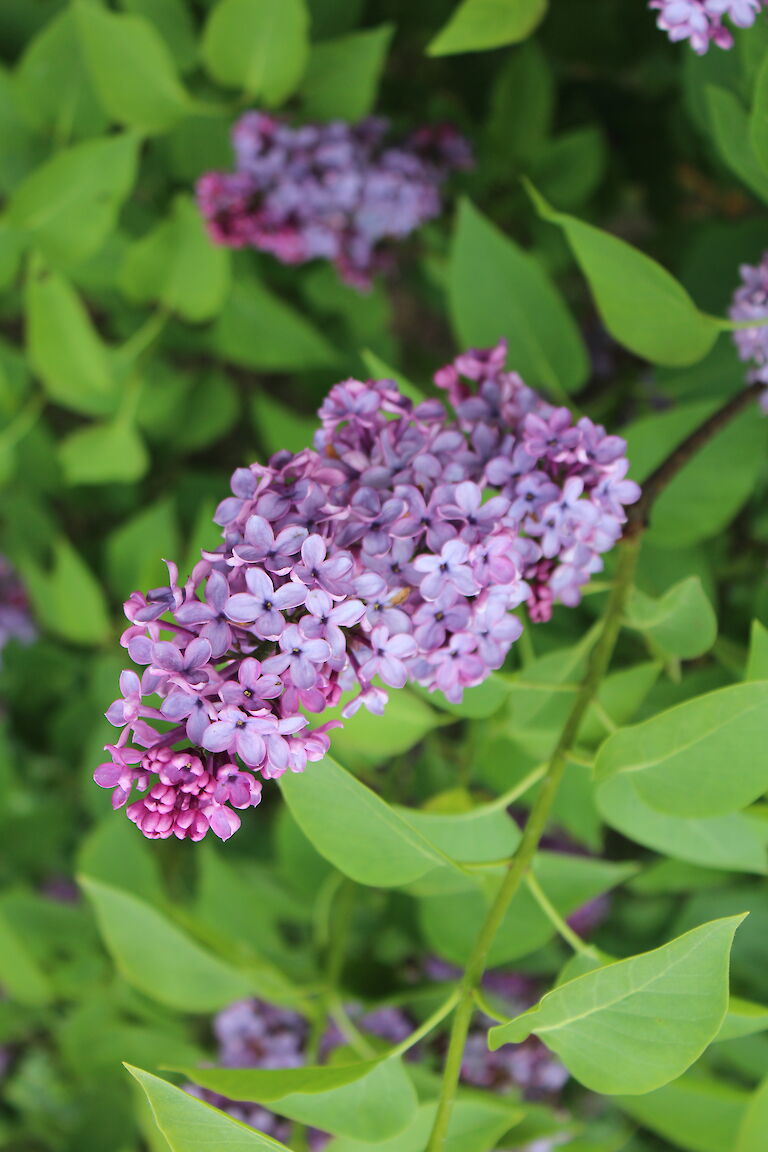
(139, 366)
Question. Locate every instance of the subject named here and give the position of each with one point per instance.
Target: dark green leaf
(342, 77)
(258, 330)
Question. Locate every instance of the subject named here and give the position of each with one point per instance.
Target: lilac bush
(373, 558)
(702, 21)
(332, 191)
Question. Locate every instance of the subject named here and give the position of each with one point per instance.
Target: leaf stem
(428, 1026)
(562, 926)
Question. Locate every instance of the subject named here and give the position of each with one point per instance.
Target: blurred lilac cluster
(750, 302)
(332, 191)
(701, 21)
(254, 1034)
(15, 620)
(379, 555)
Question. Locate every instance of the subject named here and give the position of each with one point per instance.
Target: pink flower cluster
(750, 302)
(332, 191)
(394, 550)
(701, 21)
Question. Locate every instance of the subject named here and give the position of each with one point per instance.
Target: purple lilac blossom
(15, 620)
(750, 302)
(332, 191)
(397, 548)
(701, 21)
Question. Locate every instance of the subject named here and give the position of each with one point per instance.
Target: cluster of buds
(332, 191)
(701, 21)
(395, 550)
(750, 302)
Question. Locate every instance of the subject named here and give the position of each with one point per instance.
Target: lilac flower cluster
(750, 302)
(15, 620)
(255, 1034)
(379, 555)
(701, 21)
(331, 191)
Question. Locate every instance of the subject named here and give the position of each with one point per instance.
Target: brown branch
(661, 477)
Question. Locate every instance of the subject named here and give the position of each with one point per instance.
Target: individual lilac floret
(750, 302)
(393, 551)
(701, 21)
(332, 191)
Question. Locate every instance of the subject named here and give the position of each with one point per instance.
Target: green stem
(562, 927)
(599, 660)
(428, 1026)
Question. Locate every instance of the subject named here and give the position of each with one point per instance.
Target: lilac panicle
(332, 191)
(394, 550)
(701, 21)
(750, 302)
(15, 619)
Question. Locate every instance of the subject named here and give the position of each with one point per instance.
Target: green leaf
(407, 719)
(753, 1133)
(211, 407)
(68, 599)
(479, 836)
(571, 166)
(174, 22)
(64, 349)
(735, 842)
(367, 1101)
(166, 964)
(696, 1112)
(135, 549)
(103, 453)
(524, 80)
(112, 851)
(450, 923)
(744, 1018)
(381, 371)
(675, 759)
(477, 1123)
(641, 304)
(496, 289)
(619, 697)
(260, 46)
(355, 829)
(259, 330)
(480, 24)
(189, 1125)
(757, 665)
(478, 703)
(279, 426)
(632, 1026)
(681, 623)
(54, 82)
(21, 976)
(131, 69)
(731, 129)
(758, 128)
(69, 205)
(342, 77)
(177, 265)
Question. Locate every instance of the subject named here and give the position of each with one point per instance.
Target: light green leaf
(450, 923)
(342, 77)
(68, 599)
(260, 46)
(753, 1133)
(20, 974)
(744, 1018)
(259, 330)
(734, 842)
(355, 829)
(696, 1112)
(480, 24)
(135, 549)
(632, 1026)
(381, 371)
(367, 1101)
(407, 719)
(166, 964)
(641, 304)
(757, 665)
(676, 759)
(476, 1125)
(64, 349)
(103, 453)
(682, 622)
(571, 166)
(618, 698)
(496, 289)
(175, 23)
(177, 265)
(54, 82)
(731, 129)
(131, 69)
(479, 702)
(758, 128)
(112, 851)
(189, 1125)
(70, 203)
(479, 836)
